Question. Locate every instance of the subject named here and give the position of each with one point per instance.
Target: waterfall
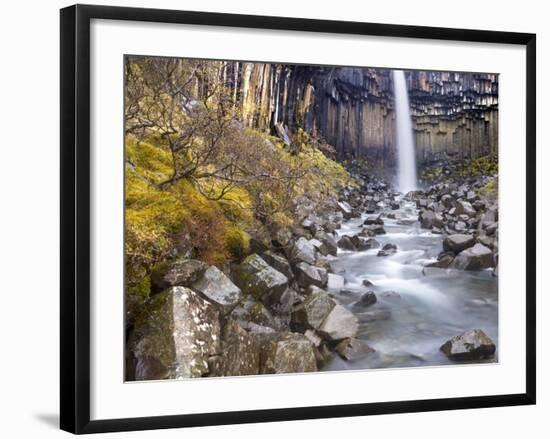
(406, 159)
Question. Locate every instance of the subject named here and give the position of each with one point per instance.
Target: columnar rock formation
(353, 108)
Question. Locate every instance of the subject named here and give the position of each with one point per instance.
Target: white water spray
(406, 159)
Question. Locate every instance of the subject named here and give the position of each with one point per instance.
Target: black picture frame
(75, 217)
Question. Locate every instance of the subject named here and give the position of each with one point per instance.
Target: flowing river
(431, 305)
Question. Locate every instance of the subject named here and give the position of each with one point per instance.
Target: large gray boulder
(458, 242)
(253, 311)
(287, 353)
(303, 251)
(279, 263)
(339, 324)
(239, 354)
(174, 336)
(307, 275)
(219, 289)
(346, 243)
(471, 345)
(474, 258)
(312, 312)
(464, 207)
(181, 272)
(346, 209)
(352, 349)
(258, 279)
(328, 243)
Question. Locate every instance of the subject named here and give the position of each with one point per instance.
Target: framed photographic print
(268, 218)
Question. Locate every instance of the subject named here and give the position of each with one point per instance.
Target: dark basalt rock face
(353, 108)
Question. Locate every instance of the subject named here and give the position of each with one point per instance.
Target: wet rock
(491, 228)
(181, 272)
(366, 300)
(311, 313)
(374, 220)
(373, 230)
(471, 345)
(346, 243)
(394, 206)
(259, 279)
(339, 324)
(391, 295)
(429, 219)
(240, 353)
(444, 260)
(288, 353)
(353, 349)
(218, 288)
(360, 243)
(303, 251)
(307, 274)
(458, 242)
(173, 337)
(474, 258)
(367, 283)
(388, 250)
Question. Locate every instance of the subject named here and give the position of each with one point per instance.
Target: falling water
(406, 161)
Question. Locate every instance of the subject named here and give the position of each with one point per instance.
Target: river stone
(346, 243)
(339, 324)
(367, 299)
(287, 353)
(371, 220)
(218, 288)
(471, 345)
(388, 250)
(443, 261)
(458, 242)
(474, 258)
(353, 349)
(279, 263)
(311, 313)
(307, 274)
(240, 353)
(173, 337)
(181, 272)
(258, 279)
(303, 251)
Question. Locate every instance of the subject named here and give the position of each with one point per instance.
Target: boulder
(458, 242)
(173, 337)
(474, 258)
(367, 283)
(339, 324)
(353, 349)
(287, 353)
(444, 260)
(181, 272)
(259, 280)
(372, 220)
(311, 313)
(346, 243)
(253, 311)
(464, 207)
(373, 230)
(471, 345)
(328, 243)
(360, 243)
(303, 251)
(218, 288)
(240, 353)
(367, 299)
(346, 209)
(307, 274)
(279, 263)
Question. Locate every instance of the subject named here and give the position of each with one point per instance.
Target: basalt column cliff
(353, 109)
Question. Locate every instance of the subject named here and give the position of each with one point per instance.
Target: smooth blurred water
(406, 160)
(433, 304)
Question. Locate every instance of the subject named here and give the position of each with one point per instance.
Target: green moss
(237, 242)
